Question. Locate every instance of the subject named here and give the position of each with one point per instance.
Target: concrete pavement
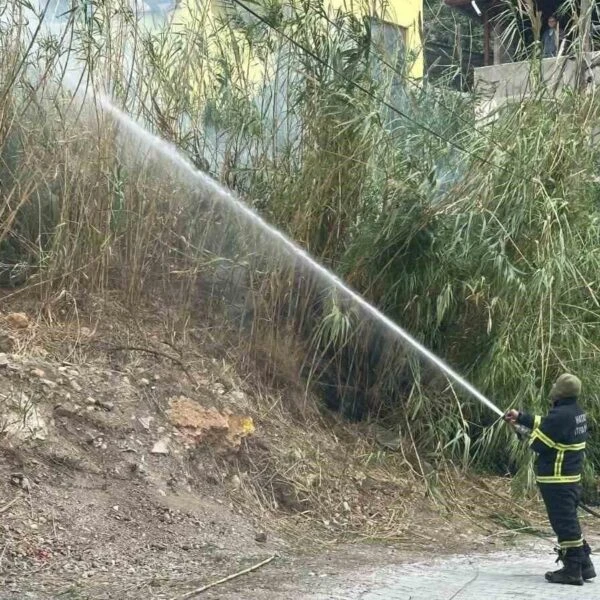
(500, 576)
(513, 574)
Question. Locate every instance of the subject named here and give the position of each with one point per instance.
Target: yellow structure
(405, 15)
(395, 23)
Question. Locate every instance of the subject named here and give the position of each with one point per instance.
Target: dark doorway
(557, 8)
(564, 16)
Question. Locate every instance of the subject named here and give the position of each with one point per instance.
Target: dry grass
(478, 252)
(314, 479)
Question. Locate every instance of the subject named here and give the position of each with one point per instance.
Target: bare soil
(102, 496)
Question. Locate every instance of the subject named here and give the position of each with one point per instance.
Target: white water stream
(150, 142)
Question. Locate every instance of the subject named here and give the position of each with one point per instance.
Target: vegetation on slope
(482, 241)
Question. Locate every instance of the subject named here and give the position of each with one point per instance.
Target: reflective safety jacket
(559, 441)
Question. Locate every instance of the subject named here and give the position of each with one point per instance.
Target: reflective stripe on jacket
(559, 441)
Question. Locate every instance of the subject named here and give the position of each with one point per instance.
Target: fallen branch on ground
(176, 360)
(224, 580)
(7, 506)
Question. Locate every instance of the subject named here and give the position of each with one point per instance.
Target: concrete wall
(498, 85)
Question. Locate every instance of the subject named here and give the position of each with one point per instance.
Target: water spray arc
(170, 153)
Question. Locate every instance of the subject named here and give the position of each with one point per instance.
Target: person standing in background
(551, 38)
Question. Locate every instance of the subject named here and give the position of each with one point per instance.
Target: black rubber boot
(570, 574)
(587, 566)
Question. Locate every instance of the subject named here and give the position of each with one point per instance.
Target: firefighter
(559, 440)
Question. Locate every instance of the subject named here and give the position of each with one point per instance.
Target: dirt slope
(95, 501)
(135, 468)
